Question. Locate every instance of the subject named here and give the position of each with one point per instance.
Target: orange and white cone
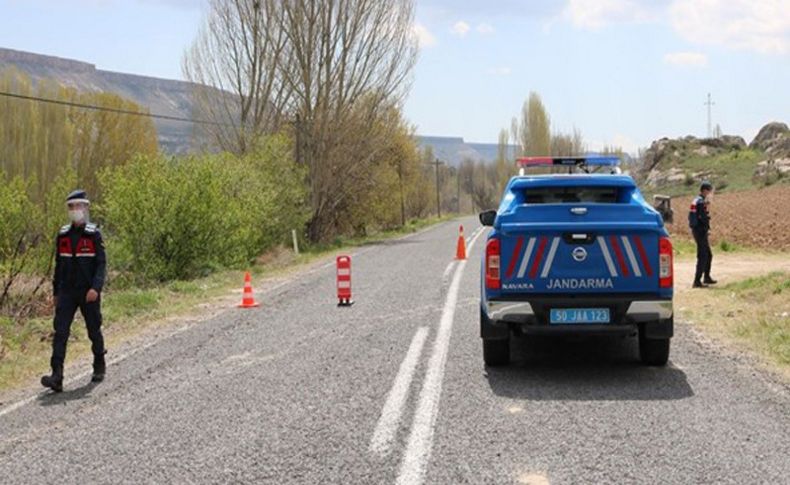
(460, 250)
(248, 300)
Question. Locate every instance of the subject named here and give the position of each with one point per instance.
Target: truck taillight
(665, 279)
(493, 265)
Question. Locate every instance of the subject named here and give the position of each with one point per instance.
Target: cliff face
(160, 96)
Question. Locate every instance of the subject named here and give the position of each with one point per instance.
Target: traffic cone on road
(248, 300)
(460, 250)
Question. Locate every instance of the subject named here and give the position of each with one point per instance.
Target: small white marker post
(296, 241)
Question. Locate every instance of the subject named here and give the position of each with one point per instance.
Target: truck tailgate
(567, 258)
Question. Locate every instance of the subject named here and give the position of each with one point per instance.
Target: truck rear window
(570, 195)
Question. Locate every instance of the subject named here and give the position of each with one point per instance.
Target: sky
(624, 72)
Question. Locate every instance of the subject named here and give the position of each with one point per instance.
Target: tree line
(529, 134)
(332, 74)
(40, 142)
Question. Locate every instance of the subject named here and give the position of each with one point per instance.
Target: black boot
(99, 367)
(54, 381)
(709, 281)
(698, 284)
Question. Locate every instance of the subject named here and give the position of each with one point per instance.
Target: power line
(111, 110)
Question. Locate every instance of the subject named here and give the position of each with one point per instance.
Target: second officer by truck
(80, 271)
(699, 222)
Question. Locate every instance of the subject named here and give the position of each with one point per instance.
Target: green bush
(168, 218)
(22, 243)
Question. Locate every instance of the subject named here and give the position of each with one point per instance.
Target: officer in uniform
(699, 222)
(80, 270)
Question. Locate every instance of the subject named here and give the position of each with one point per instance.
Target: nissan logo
(579, 254)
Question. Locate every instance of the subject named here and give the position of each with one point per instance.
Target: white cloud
(501, 71)
(460, 28)
(485, 29)
(762, 26)
(686, 59)
(424, 36)
(596, 14)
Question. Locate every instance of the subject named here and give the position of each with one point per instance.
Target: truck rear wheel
(653, 351)
(496, 352)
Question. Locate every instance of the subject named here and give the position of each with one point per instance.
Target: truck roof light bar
(582, 163)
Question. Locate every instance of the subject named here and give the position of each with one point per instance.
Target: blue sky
(624, 72)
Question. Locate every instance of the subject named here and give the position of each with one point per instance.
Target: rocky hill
(675, 165)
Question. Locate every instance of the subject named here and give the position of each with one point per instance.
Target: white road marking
(447, 271)
(473, 235)
(533, 479)
(418, 449)
(388, 423)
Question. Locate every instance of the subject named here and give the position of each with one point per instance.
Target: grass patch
(25, 348)
(727, 246)
(754, 313)
(729, 172)
(683, 247)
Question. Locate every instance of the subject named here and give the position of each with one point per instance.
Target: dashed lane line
(387, 426)
(420, 443)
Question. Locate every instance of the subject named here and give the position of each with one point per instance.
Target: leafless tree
(347, 63)
(332, 69)
(235, 64)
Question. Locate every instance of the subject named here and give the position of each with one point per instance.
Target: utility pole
(436, 163)
(709, 103)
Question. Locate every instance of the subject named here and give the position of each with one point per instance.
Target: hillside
(173, 98)
(160, 96)
(676, 166)
(454, 150)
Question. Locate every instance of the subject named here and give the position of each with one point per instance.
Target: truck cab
(576, 253)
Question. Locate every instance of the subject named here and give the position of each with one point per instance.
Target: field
(754, 219)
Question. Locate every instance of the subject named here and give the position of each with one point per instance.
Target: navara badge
(579, 254)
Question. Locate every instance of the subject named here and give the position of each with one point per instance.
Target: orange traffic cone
(248, 300)
(460, 250)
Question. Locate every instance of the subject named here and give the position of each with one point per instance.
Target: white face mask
(77, 215)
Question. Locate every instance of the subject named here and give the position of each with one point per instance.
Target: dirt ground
(755, 219)
(730, 267)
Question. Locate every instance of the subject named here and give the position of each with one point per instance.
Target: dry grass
(749, 310)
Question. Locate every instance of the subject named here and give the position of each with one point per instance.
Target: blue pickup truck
(578, 253)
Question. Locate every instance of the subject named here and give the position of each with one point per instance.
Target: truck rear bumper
(531, 316)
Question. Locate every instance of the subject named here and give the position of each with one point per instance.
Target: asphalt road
(393, 390)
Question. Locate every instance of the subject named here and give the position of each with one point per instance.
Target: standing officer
(699, 222)
(80, 270)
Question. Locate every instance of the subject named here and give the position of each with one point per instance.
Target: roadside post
(344, 281)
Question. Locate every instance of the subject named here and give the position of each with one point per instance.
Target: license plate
(572, 316)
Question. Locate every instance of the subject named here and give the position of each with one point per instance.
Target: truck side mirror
(663, 204)
(487, 218)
